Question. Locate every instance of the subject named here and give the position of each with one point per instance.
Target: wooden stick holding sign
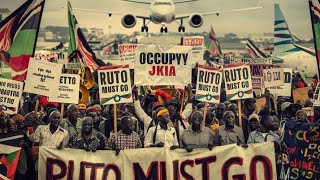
(115, 130)
(62, 109)
(36, 107)
(205, 113)
(240, 112)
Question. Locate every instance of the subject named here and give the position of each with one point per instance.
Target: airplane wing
(184, 1)
(139, 2)
(219, 12)
(109, 13)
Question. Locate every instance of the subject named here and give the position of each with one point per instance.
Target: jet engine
(195, 20)
(129, 21)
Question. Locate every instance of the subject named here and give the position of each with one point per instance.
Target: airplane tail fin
(254, 51)
(283, 41)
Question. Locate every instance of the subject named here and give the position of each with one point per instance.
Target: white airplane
(163, 12)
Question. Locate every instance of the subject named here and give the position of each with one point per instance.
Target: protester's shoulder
(63, 130)
(206, 129)
(100, 135)
(135, 134)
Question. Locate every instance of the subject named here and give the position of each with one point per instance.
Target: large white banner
(273, 77)
(238, 82)
(224, 162)
(43, 78)
(284, 90)
(157, 65)
(10, 94)
(115, 85)
(127, 54)
(208, 84)
(68, 89)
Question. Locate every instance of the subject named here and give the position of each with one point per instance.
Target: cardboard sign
(115, 85)
(238, 81)
(257, 69)
(284, 90)
(273, 77)
(300, 95)
(127, 54)
(68, 89)
(156, 65)
(10, 94)
(208, 84)
(257, 161)
(260, 103)
(43, 78)
(256, 82)
(75, 66)
(197, 43)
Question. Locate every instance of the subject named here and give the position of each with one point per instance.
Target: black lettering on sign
(113, 77)
(209, 77)
(236, 74)
(67, 80)
(163, 58)
(287, 77)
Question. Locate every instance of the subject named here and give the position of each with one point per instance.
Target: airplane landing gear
(164, 29)
(181, 29)
(144, 28)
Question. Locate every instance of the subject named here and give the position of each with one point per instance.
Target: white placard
(68, 89)
(10, 94)
(273, 77)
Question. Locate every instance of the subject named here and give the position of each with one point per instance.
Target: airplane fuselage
(162, 11)
(302, 62)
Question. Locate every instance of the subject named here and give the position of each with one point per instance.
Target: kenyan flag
(79, 48)
(18, 36)
(315, 19)
(9, 154)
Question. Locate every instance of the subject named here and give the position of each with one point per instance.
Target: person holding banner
(88, 138)
(51, 134)
(72, 123)
(229, 133)
(197, 136)
(126, 138)
(161, 135)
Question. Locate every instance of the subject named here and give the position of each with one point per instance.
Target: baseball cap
(254, 116)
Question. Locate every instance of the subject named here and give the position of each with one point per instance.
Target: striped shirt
(123, 141)
(44, 136)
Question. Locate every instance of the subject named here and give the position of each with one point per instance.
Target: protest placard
(157, 65)
(197, 43)
(10, 94)
(208, 84)
(43, 78)
(68, 89)
(115, 85)
(257, 162)
(238, 81)
(257, 69)
(284, 90)
(127, 54)
(300, 95)
(273, 77)
(302, 151)
(74, 66)
(256, 82)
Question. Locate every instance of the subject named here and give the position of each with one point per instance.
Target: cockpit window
(162, 3)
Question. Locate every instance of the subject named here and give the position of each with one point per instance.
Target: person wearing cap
(229, 133)
(265, 132)
(248, 109)
(161, 135)
(254, 123)
(20, 121)
(92, 112)
(72, 123)
(197, 136)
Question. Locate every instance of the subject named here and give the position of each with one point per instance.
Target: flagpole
(314, 34)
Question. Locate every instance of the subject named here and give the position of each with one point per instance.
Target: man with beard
(229, 133)
(126, 138)
(88, 138)
(197, 136)
(72, 123)
(219, 111)
(161, 135)
(265, 132)
(51, 134)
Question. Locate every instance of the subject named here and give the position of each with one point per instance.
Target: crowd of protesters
(155, 119)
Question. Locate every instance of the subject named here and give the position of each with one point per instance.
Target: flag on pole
(315, 19)
(254, 51)
(78, 46)
(18, 37)
(213, 44)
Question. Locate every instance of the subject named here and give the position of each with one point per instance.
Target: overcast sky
(296, 13)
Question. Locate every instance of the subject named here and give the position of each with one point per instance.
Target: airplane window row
(162, 3)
